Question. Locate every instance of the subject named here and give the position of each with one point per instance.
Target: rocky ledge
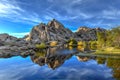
(11, 46)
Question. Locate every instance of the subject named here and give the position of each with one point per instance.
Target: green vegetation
(40, 53)
(93, 45)
(80, 43)
(109, 41)
(110, 38)
(41, 45)
(101, 39)
(72, 42)
(110, 50)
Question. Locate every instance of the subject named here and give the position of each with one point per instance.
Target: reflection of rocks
(57, 60)
(53, 60)
(85, 58)
(7, 51)
(16, 50)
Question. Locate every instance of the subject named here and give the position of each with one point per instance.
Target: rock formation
(87, 34)
(53, 31)
(11, 46)
(7, 38)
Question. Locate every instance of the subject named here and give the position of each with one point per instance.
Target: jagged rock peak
(55, 23)
(53, 31)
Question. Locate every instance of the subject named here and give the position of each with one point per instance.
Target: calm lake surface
(62, 64)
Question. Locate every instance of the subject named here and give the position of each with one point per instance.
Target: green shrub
(80, 43)
(41, 45)
(93, 45)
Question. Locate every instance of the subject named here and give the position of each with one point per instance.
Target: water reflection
(65, 63)
(53, 57)
(113, 63)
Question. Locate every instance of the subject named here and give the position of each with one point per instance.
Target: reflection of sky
(18, 68)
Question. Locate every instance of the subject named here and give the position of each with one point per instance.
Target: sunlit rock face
(87, 34)
(53, 31)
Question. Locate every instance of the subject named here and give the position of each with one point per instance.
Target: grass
(108, 50)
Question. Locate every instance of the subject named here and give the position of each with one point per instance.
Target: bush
(72, 42)
(53, 43)
(93, 45)
(80, 43)
(41, 45)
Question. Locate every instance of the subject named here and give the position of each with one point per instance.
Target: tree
(101, 37)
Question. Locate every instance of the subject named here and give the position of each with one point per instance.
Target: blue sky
(17, 17)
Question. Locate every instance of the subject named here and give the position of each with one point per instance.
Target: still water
(60, 64)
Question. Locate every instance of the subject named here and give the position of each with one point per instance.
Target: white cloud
(53, 14)
(12, 11)
(111, 13)
(70, 13)
(8, 9)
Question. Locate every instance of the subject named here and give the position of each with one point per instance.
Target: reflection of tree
(93, 47)
(80, 48)
(70, 47)
(39, 57)
(115, 65)
(50, 57)
(101, 60)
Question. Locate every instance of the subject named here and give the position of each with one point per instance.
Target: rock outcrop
(11, 46)
(53, 31)
(7, 38)
(87, 34)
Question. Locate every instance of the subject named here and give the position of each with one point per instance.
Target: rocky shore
(53, 31)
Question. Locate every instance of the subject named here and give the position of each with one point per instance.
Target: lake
(61, 64)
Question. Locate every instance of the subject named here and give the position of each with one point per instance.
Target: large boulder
(87, 34)
(53, 31)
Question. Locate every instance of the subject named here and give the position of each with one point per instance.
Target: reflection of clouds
(16, 68)
(24, 69)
